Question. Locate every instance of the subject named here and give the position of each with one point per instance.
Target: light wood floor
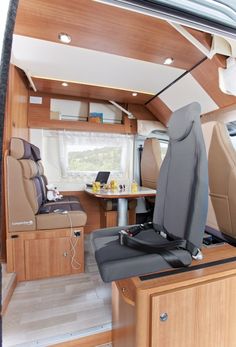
(49, 311)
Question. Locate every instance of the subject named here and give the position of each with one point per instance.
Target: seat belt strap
(163, 249)
(149, 247)
(172, 259)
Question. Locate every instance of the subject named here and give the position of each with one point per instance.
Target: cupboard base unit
(42, 254)
(185, 307)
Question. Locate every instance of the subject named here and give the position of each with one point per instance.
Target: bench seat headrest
(20, 149)
(35, 151)
(181, 122)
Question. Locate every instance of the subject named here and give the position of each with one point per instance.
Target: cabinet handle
(163, 317)
(65, 254)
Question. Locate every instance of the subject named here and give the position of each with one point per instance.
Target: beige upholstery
(20, 212)
(26, 194)
(222, 178)
(58, 221)
(151, 163)
(17, 149)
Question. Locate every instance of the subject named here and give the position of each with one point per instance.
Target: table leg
(122, 212)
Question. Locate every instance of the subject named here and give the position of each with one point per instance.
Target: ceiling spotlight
(64, 84)
(64, 37)
(168, 61)
(134, 94)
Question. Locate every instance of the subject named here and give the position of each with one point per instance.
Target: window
(72, 159)
(93, 158)
(164, 146)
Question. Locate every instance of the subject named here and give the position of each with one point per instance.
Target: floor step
(8, 286)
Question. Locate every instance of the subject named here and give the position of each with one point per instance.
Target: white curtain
(57, 147)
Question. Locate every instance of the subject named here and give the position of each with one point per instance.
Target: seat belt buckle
(198, 255)
(122, 234)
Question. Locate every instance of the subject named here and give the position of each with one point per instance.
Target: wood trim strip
(87, 91)
(88, 341)
(8, 296)
(188, 269)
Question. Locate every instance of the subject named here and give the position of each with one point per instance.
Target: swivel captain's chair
(180, 209)
(151, 162)
(150, 170)
(222, 178)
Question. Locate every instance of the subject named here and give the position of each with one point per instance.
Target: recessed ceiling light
(64, 84)
(64, 37)
(134, 94)
(168, 61)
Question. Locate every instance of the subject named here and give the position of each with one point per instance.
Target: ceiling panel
(105, 28)
(51, 60)
(88, 91)
(185, 91)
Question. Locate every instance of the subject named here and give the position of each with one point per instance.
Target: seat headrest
(19, 148)
(35, 153)
(182, 120)
(30, 168)
(40, 168)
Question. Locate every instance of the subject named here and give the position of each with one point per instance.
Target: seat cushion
(59, 215)
(117, 262)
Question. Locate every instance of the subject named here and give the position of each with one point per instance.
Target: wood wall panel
(160, 110)
(15, 124)
(89, 91)
(39, 117)
(106, 28)
(207, 76)
(141, 112)
(17, 106)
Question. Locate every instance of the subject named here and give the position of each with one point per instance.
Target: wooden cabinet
(199, 316)
(40, 116)
(42, 254)
(188, 309)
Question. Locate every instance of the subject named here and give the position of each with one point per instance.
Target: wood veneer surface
(95, 26)
(89, 91)
(39, 117)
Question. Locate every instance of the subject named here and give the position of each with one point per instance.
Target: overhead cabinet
(59, 112)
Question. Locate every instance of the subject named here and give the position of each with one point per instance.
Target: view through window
(164, 146)
(93, 158)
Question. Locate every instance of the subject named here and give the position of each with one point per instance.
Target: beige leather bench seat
(26, 187)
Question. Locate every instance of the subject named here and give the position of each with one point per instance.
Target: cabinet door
(48, 257)
(199, 316)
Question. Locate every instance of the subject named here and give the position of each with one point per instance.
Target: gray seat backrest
(182, 195)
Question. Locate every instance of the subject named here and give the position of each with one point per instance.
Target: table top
(116, 194)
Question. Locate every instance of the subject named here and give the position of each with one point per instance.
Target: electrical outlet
(77, 233)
